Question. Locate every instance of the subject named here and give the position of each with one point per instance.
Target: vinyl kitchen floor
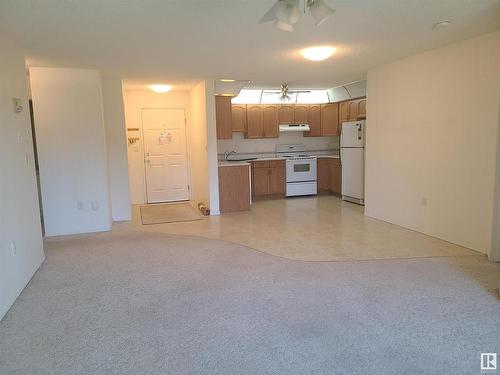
(322, 228)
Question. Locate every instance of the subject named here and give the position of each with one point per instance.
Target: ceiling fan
(284, 91)
(285, 13)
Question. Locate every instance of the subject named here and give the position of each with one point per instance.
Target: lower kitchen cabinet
(323, 172)
(234, 188)
(260, 178)
(277, 177)
(329, 175)
(335, 170)
(268, 177)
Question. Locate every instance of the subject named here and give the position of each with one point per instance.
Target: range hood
(294, 127)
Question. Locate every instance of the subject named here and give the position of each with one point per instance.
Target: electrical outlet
(13, 249)
(95, 205)
(79, 205)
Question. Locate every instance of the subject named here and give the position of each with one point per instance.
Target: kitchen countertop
(266, 158)
(232, 163)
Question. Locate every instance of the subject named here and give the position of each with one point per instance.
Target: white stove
(301, 170)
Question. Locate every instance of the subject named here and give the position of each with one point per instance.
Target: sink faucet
(228, 154)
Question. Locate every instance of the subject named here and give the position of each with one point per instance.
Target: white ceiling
(180, 41)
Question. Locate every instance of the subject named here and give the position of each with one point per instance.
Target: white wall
(431, 141)
(240, 144)
(116, 146)
(213, 169)
(135, 101)
(19, 214)
(197, 138)
(495, 237)
(71, 150)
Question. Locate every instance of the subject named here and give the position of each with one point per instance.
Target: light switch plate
(18, 106)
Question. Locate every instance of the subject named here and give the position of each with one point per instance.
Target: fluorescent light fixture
(227, 80)
(318, 53)
(160, 89)
(320, 11)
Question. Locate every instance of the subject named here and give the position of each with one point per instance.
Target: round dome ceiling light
(160, 89)
(318, 53)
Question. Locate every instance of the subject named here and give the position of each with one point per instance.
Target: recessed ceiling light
(442, 24)
(318, 53)
(160, 89)
(226, 80)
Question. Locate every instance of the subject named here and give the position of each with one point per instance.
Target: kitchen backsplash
(242, 145)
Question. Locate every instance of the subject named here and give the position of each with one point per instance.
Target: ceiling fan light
(288, 11)
(283, 25)
(320, 11)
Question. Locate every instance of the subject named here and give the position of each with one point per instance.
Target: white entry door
(165, 155)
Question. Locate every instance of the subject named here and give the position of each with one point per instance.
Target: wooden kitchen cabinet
(314, 121)
(239, 118)
(343, 112)
(277, 177)
(268, 177)
(223, 117)
(335, 170)
(323, 174)
(260, 178)
(255, 124)
(270, 121)
(329, 119)
(234, 188)
(301, 114)
(329, 175)
(286, 114)
(362, 109)
(353, 110)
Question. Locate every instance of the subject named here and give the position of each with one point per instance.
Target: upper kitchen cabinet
(301, 114)
(255, 121)
(239, 117)
(329, 119)
(314, 121)
(223, 117)
(352, 110)
(286, 114)
(343, 112)
(362, 109)
(270, 121)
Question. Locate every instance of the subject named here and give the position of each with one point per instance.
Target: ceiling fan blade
(271, 13)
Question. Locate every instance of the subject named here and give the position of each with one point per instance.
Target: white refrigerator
(352, 156)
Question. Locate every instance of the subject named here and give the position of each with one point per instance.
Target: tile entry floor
(322, 228)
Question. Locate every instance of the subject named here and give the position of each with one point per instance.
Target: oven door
(300, 170)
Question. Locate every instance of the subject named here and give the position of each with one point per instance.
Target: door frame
(188, 164)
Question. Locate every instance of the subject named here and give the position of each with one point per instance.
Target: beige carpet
(130, 302)
(169, 213)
